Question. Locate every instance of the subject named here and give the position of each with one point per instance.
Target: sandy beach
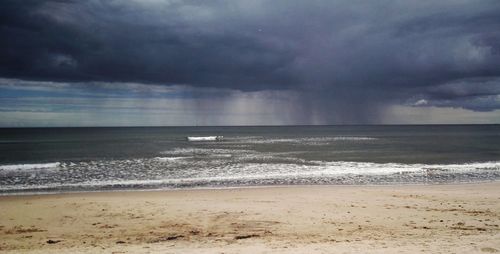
(304, 219)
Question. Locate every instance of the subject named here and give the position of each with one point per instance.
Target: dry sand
(309, 219)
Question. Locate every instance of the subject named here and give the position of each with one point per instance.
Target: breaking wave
(188, 172)
(305, 140)
(29, 166)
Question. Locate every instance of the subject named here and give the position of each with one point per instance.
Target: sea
(55, 160)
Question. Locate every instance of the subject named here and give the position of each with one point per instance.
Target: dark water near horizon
(87, 159)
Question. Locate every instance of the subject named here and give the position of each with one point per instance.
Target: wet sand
(305, 219)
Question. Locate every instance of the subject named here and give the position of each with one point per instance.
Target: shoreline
(244, 187)
(449, 218)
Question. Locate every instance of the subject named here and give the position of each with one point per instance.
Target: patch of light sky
(40, 103)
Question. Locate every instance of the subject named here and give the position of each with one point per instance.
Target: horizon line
(287, 125)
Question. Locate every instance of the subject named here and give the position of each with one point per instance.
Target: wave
(170, 159)
(256, 173)
(345, 167)
(205, 151)
(30, 166)
(308, 140)
(352, 138)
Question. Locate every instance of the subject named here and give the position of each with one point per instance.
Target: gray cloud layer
(348, 59)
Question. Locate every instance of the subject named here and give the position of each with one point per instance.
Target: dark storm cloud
(479, 94)
(476, 87)
(349, 59)
(135, 41)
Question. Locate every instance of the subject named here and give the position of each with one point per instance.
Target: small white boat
(207, 138)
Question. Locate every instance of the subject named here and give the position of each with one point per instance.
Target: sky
(259, 62)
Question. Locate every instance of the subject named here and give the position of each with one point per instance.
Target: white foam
(353, 138)
(29, 166)
(204, 151)
(257, 171)
(207, 138)
(170, 159)
(206, 171)
(308, 140)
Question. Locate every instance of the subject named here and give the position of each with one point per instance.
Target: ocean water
(93, 159)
